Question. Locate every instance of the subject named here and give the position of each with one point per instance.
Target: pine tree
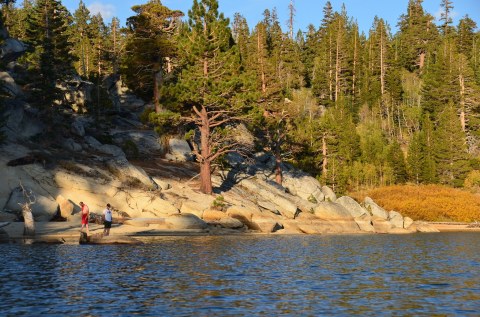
(450, 148)
(446, 15)
(80, 34)
(417, 36)
(415, 157)
(149, 46)
(397, 162)
(441, 80)
(429, 166)
(210, 87)
(466, 36)
(50, 57)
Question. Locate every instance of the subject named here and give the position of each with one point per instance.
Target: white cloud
(107, 10)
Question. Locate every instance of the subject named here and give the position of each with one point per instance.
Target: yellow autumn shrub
(426, 202)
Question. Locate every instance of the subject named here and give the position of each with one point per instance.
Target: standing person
(107, 220)
(85, 215)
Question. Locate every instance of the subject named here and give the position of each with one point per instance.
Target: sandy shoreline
(68, 232)
(454, 227)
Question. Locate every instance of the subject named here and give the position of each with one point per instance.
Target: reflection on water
(421, 274)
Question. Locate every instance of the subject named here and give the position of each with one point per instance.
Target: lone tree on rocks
(210, 90)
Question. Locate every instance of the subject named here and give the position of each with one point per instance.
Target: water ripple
(421, 275)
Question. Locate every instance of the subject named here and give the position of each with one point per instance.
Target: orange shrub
(426, 202)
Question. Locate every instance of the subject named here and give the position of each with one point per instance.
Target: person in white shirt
(107, 220)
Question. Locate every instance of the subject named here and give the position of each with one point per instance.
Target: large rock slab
(65, 207)
(329, 194)
(147, 142)
(375, 209)
(364, 222)
(424, 227)
(43, 208)
(179, 150)
(332, 211)
(352, 206)
(396, 219)
(185, 221)
(130, 173)
(245, 215)
(407, 222)
(303, 186)
(381, 225)
(268, 192)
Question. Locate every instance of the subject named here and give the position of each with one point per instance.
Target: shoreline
(454, 227)
(69, 233)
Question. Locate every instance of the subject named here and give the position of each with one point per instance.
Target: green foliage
(396, 160)
(450, 149)
(49, 58)
(472, 181)
(219, 202)
(166, 122)
(340, 104)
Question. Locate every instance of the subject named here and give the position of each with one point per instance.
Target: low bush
(426, 202)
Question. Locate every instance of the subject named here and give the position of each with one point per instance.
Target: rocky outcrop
(185, 221)
(375, 209)
(178, 150)
(11, 49)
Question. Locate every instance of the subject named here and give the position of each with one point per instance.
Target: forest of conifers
(355, 110)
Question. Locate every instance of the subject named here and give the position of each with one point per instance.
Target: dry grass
(426, 202)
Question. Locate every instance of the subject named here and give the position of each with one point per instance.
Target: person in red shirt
(85, 214)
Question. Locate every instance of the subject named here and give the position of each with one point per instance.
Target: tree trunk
(157, 80)
(324, 153)
(382, 65)
(29, 223)
(461, 80)
(205, 160)
(278, 168)
(421, 62)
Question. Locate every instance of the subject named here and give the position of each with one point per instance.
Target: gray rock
(352, 206)
(71, 145)
(92, 142)
(396, 219)
(146, 141)
(381, 225)
(76, 92)
(65, 207)
(375, 209)
(9, 85)
(425, 227)
(407, 222)
(11, 49)
(179, 150)
(43, 208)
(126, 171)
(332, 211)
(78, 128)
(329, 194)
(21, 121)
(111, 150)
(7, 216)
(364, 222)
(300, 184)
(185, 221)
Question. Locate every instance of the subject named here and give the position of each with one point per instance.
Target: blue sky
(307, 11)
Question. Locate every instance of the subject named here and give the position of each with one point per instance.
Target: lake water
(374, 275)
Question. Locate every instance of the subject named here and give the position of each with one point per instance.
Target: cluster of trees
(354, 109)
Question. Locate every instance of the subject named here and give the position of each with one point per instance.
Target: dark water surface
(375, 275)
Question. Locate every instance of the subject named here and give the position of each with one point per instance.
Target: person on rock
(107, 220)
(85, 215)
